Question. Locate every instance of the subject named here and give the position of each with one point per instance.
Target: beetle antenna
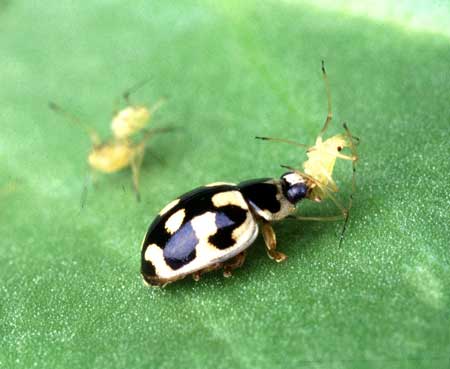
(91, 132)
(327, 87)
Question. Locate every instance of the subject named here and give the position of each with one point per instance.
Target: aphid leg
(235, 263)
(136, 162)
(91, 132)
(353, 144)
(330, 113)
(156, 157)
(87, 183)
(138, 157)
(350, 201)
(319, 219)
(328, 193)
(150, 132)
(157, 105)
(290, 142)
(271, 242)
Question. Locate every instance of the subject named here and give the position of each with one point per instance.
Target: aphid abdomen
(202, 228)
(111, 157)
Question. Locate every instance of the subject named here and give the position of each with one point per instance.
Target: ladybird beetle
(212, 226)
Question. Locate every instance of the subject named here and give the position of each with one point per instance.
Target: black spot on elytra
(261, 194)
(195, 202)
(228, 218)
(180, 249)
(147, 268)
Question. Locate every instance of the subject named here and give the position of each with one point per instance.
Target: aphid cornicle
(212, 226)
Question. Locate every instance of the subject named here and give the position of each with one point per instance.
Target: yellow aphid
(122, 151)
(318, 168)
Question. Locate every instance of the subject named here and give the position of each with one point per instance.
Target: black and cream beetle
(212, 226)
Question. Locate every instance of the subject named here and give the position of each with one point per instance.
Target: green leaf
(71, 295)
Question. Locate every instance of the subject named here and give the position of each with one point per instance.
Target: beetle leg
(271, 242)
(196, 275)
(235, 263)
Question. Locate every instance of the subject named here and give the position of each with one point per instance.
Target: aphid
(212, 226)
(122, 150)
(318, 168)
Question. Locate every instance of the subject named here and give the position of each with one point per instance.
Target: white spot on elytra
(154, 254)
(175, 220)
(204, 225)
(229, 198)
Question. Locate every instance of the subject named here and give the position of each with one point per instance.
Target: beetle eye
(296, 192)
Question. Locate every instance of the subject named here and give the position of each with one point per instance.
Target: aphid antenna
(133, 89)
(290, 142)
(330, 113)
(87, 183)
(350, 200)
(90, 131)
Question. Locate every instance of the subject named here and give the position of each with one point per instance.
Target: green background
(70, 293)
